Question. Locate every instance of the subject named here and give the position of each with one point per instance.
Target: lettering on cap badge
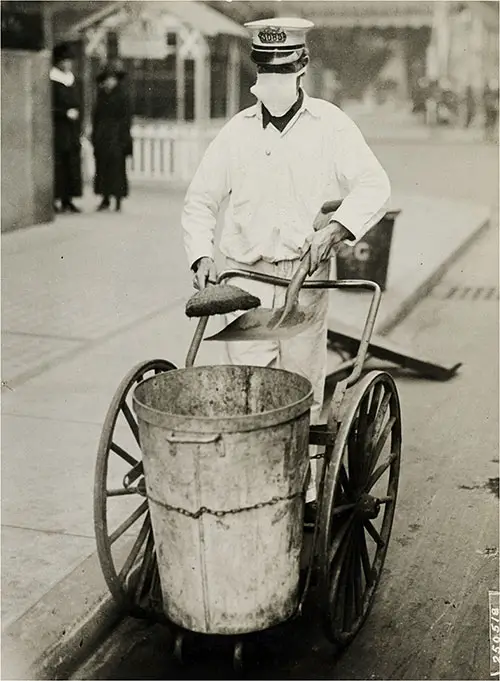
(272, 34)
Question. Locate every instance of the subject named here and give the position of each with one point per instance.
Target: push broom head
(220, 299)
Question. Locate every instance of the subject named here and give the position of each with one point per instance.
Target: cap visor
(274, 57)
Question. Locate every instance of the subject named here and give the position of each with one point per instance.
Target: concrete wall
(27, 166)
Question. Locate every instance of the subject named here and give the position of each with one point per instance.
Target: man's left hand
(328, 237)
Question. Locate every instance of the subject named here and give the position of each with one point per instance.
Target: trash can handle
(192, 439)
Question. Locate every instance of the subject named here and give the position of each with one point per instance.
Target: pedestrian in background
(111, 137)
(490, 103)
(66, 131)
(470, 105)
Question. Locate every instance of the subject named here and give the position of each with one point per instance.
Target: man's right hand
(205, 272)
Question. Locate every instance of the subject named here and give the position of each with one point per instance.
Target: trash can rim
(227, 424)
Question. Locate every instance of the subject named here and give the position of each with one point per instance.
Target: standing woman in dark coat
(111, 138)
(66, 131)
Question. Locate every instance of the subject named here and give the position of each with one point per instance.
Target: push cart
(180, 543)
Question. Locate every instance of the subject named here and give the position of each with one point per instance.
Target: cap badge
(272, 34)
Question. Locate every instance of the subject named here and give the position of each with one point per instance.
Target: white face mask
(277, 91)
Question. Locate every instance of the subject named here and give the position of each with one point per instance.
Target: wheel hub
(368, 506)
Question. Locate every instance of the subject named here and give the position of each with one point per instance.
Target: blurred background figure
(490, 103)
(111, 136)
(432, 99)
(66, 136)
(470, 105)
(420, 94)
(447, 103)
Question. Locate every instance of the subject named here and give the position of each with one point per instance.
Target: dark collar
(280, 122)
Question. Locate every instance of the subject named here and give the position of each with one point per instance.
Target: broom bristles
(220, 299)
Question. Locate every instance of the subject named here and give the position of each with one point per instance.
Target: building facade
(26, 115)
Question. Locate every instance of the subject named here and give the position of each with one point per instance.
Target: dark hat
(114, 68)
(61, 52)
(279, 41)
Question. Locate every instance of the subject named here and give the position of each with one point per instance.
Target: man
(277, 163)
(66, 131)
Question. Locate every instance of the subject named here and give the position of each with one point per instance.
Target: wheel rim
(122, 524)
(359, 503)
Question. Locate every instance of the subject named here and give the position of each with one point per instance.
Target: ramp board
(347, 338)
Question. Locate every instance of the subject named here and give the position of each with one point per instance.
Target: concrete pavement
(83, 300)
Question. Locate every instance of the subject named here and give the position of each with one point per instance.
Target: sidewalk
(83, 300)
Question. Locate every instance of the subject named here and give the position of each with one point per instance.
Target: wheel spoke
(339, 596)
(373, 532)
(362, 421)
(374, 406)
(339, 539)
(154, 593)
(145, 565)
(358, 590)
(130, 420)
(141, 538)
(342, 509)
(129, 522)
(344, 481)
(349, 588)
(353, 457)
(365, 559)
(378, 473)
(380, 444)
(381, 414)
(124, 455)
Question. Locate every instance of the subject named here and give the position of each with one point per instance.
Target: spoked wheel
(125, 543)
(358, 505)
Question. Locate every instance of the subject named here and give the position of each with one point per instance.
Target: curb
(62, 630)
(407, 305)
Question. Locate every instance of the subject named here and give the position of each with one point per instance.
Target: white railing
(168, 152)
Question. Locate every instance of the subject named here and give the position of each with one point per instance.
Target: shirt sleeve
(363, 180)
(208, 189)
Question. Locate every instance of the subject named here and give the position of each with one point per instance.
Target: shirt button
(268, 152)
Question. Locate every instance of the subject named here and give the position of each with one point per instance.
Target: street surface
(429, 620)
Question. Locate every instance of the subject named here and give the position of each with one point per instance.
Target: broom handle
(293, 290)
(196, 342)
(298, 279)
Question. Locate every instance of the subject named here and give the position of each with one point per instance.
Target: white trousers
(304, 354)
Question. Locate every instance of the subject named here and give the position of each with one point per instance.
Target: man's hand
(328, 237)
(204, 272)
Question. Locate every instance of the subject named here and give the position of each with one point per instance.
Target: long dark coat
(112, 141)
(66, 138)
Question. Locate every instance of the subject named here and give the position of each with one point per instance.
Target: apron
(304, 354)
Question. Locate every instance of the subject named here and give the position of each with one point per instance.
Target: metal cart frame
(359, 448)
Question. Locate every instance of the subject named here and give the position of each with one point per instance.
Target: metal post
(233, 79)
(202, 81)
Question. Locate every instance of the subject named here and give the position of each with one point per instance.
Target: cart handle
(359, 284)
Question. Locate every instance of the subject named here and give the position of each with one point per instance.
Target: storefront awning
(197, 15)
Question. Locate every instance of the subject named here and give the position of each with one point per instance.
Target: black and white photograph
(250, 339)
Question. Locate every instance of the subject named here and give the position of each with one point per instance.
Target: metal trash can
(369, 258)
(226, 453)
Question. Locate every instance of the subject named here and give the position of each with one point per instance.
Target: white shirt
(64, 77)
(277, 182)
